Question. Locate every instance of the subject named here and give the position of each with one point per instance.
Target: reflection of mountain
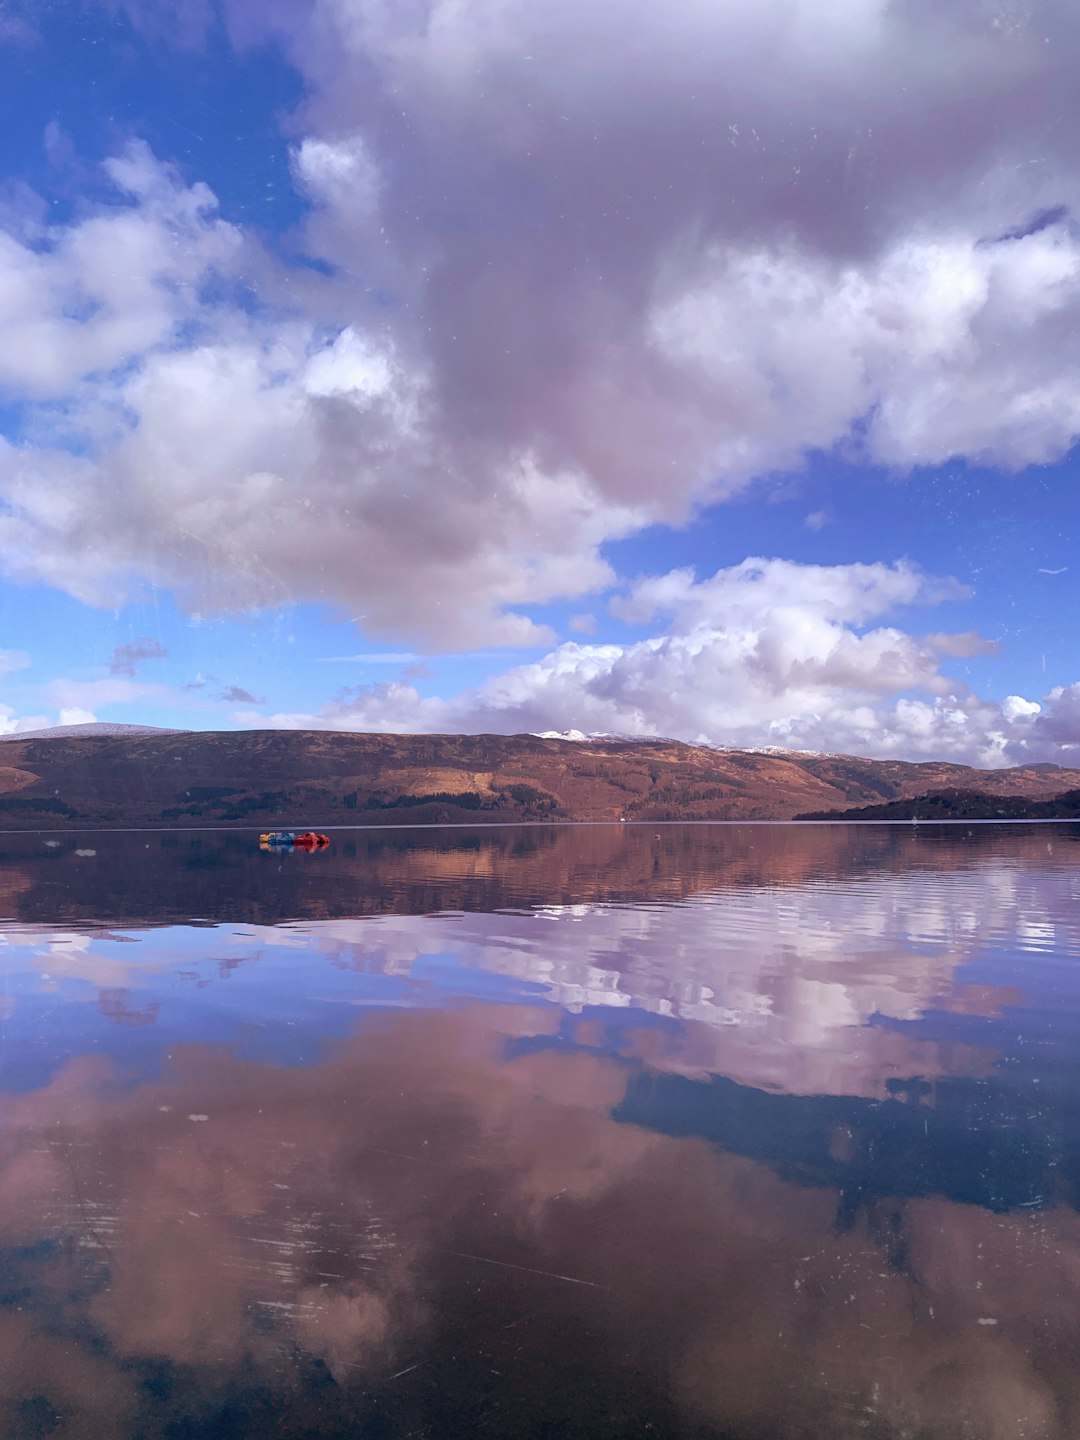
(304, 778)
(116, 1005)
(421, 1236)
(163, 878)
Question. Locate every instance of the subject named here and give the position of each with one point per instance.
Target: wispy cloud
(373, 657)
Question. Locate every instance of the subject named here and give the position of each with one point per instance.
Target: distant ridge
(138, 775)
(95, 728)
(954, 804)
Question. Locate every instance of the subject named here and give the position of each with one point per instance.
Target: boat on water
(293, 840)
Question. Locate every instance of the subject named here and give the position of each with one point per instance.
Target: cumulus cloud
(11, 723)
(766, 652)
(1053, 728)
(101, 292)
(573, 276)
(76, 715)
(126, 659)
(643, 244)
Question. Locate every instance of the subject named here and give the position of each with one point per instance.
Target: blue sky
(367, 368)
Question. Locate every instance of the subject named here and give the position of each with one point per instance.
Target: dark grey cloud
(236, 695)
(126, 659)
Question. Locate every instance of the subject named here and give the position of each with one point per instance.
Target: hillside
(289, 777)
(963, 805)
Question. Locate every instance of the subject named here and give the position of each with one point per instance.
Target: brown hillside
(277, 777)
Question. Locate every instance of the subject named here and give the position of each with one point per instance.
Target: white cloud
(75, 715)
(1015, 707)
(342, 178)
(100, 292)
(574, 277)
(268, 466)
(11, 723)
(693, 249)
(758, 586)
(764, 653)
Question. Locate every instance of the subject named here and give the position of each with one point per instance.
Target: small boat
(290, 840)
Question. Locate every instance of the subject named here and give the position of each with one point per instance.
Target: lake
(741, 1132)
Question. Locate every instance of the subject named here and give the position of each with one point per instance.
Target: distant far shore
(274, 778)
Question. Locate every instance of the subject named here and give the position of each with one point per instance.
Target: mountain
(301, 778)
(90, 729)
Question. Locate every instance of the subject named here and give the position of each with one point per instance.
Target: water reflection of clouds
(772, 987)
(790, 987)
(297, 1221)
(425, 1218)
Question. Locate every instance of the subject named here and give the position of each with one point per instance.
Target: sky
(700, 370)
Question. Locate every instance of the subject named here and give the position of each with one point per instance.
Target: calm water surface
(761, 1133)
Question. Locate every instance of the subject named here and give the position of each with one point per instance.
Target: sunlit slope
(320, 777)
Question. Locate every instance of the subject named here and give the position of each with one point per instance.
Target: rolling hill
(290, 777)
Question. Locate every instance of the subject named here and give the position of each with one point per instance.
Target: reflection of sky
(809, 988)
(794, 1158)
(421, 1231)
(270, 993)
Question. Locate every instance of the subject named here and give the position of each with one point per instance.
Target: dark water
(762, 1133)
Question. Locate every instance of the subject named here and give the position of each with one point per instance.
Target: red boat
(287, 840)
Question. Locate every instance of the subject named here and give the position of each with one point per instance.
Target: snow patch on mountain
(96, 729)
(609, 736)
